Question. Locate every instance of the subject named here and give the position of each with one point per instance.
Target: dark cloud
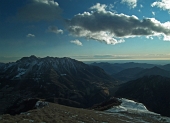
(54, 29)
(38, 10)
(111, 28)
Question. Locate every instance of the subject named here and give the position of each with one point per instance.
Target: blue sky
(85, 30)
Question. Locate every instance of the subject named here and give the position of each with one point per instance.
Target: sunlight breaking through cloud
(111, 28)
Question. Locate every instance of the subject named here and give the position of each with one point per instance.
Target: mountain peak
(31, 58)
(155, 67)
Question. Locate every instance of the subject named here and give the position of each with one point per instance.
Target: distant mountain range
(166, 67)
(130, 71)
(108, 67)
(134, 73)
(153, 71)
(128, 74)
(65, 80)
(117, 67)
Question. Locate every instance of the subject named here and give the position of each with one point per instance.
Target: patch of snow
(25, 113)
(28, 114)
(20, 69)
(8, 65)
(31, 121)
(117, 109)
(40, 104)
(73, 116)
(125, 121)
(162, 119)
(20, 74)
(131, 107)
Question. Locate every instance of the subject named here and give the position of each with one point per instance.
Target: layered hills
(113, 68)
(131, 71)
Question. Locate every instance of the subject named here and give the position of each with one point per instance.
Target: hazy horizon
(88, 61)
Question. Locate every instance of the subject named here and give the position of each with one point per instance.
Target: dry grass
(54, 113)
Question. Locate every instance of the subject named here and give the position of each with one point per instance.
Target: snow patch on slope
(20, 74)
(131, 106)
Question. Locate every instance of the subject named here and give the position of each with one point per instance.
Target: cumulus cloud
(77, 42)
(55, 30)
(162, 4)
(38, 10)
(149, 37)
(130, 3)
(111, 28)
(99, 7)
(111, 6)
(30, 35)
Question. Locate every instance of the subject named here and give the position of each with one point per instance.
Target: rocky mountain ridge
(63, 80)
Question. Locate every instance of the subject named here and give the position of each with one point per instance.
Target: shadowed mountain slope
(49, 78)
(152, 91)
